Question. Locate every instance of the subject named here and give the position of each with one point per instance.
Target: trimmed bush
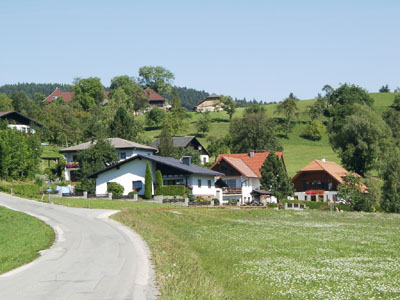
(159, 182)
(174, 190)
(148, 183)
(115, 188)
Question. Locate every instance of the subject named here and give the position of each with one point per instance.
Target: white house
(125, 149)
(242, 174)
(130, 173)
(19, 122)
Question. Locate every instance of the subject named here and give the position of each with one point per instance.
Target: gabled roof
(57, 93)
(68, 96)
(180, 141)
(12, 114)
(211, 97)
(332, 168)
(245, 164)
(166, 161)
(118, 143)
(153, 95)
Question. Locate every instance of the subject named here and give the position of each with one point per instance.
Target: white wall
(204, 157)
(23, 128)
(204, 190)
(127, 173)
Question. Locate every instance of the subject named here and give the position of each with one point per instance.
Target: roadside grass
(269, 254)
(21, 238)
(106, 204)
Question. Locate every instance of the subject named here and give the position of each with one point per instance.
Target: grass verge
(268, 254)
(21, 238)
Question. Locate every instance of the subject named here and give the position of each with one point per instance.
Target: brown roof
(332, 168)
(245, 164)
(153, 95)
(57, 93)
(68, 96)
(118, 143)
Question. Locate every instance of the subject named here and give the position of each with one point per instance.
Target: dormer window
(54, 97)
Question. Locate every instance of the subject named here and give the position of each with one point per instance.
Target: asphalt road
(93, 257)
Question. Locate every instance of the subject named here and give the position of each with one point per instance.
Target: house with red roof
(67, 96)
(155, 99)
(242, 174)
(318, 181)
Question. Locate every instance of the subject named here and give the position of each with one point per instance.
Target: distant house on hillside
(211, 103)
(242, 175)
(188, 142)
(130, 173)
(155, 99)
(125, 149)
(19, 122)
(318, 181)
(68, 96)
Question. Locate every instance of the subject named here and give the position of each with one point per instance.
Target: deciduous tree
(157, 78)
(288, 108)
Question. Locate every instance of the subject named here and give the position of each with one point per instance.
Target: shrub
(115, 188)
(148, 182)
(159, 182)
(216, 201)
(313, 131)
(174, 190)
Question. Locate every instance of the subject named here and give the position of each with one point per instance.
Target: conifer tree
(159, 181)
(148, 183)
(274, 178)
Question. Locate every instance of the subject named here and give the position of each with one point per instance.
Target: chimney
(251, 153)
(187, 160)
(323, 159)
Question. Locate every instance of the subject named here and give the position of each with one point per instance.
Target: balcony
(232, 191)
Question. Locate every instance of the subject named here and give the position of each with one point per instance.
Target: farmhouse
(318, 181)
(187, 142)
(19, 122)
(242, 175)
(130, 173)
(155, 99)
(211, 103)
(125, 149)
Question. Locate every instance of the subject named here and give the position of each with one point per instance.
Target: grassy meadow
(297, 151)
(269, 254)
(21, 238)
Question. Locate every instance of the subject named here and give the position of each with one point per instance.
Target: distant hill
(31, 88)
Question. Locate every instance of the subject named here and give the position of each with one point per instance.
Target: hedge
(174, 190)
(25, 190)
(318, 205)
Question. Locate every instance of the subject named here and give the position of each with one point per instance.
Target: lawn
(269, 254)
(21, 238)
(297, 151)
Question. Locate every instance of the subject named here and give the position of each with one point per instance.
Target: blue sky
(252, 49)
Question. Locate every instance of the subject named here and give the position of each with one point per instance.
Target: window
(231, 183)
(122, 155)
(199, 183)
(209, 184)
(137, 185)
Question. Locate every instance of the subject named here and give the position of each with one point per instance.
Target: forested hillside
(30, 89)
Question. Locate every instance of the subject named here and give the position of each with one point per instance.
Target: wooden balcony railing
(232, 191)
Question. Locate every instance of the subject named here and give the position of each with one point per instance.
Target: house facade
(125, 149)
(318, 181)
(130, 173)
(19, 121)
(242, 175)
(211, 103)
(188, 142)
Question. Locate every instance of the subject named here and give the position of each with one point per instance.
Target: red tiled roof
(57, 93)
(68, 96)
(249, 163)
(153, 96)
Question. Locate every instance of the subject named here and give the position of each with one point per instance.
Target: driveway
(93, 257)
